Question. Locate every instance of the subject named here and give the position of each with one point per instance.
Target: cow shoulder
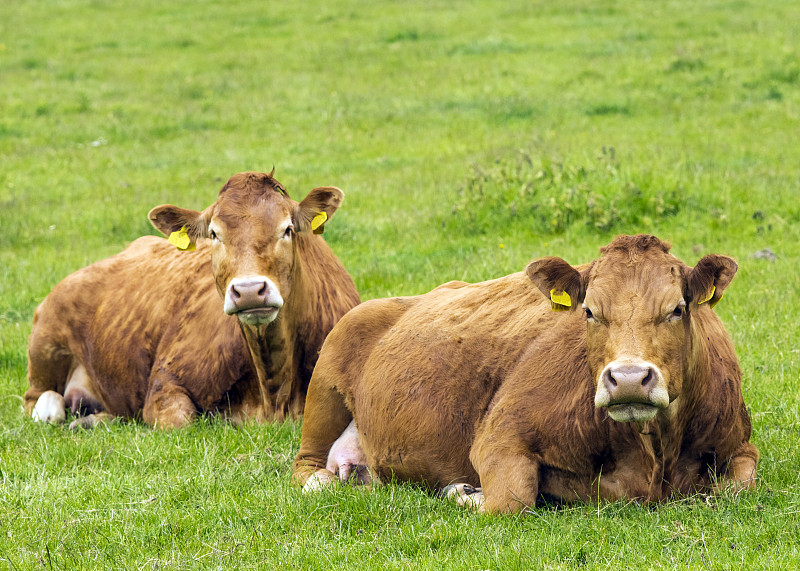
(547, 400)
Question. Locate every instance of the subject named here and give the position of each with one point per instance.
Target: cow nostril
(235, 293)
(610, 378)
(648, 377)
(263, 290)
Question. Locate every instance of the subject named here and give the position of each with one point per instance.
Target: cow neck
(271, 361)
(651, 435)
(697, 369)
(696, 378)
(662, 437)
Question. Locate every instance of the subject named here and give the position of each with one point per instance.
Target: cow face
(638, 301)
(252, 227)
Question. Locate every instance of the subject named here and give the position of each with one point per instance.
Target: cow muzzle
(255, 300)
(633, 391)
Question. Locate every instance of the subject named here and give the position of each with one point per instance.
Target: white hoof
(465, 495)
(320, 480)
(49, 408)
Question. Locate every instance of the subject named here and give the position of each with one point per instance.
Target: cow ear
(182, 226)
(558, 281)
(709, 278)
(317, 208)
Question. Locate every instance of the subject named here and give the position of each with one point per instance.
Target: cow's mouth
(632, 412)
(632, 390)
(258, 315)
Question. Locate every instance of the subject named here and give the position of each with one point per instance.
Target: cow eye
(288, 232)
(677, 313)
(589, 314)
(212, 235)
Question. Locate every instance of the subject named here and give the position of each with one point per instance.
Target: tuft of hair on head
(634, 246)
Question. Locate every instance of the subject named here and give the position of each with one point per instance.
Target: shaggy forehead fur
(645, 255)
(251, 184)
(635, 270)
(245, 192)
(634, 247)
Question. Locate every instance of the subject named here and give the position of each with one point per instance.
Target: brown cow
(146, 334)
(634, 392)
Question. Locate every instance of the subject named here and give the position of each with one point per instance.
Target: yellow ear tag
(181, 240)
(560, 300)
(318, 221)
(709, 296)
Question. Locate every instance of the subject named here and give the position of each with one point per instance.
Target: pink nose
(630, 383)
(248, 294)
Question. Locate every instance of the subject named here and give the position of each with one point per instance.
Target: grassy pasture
(468, 138)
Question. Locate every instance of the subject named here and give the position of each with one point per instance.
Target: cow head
(252, 226)
(638, 300)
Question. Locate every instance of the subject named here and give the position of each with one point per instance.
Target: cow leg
(741, 470)
(339, 370)
(49, 408)
(508, 471)
(510, 485)
(78, 397)
(168, 405)
(325, 420)
(49, 363)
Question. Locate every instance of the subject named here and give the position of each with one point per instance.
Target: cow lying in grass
(234, 327)
(632, 392)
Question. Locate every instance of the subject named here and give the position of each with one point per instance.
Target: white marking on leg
(49, 408)
(465, 495)
(319, 480)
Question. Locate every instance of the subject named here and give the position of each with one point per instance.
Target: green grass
(468, 138)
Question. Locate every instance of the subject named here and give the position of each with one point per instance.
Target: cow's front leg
(50, 407)
(167, 405)
(740, 471)
(508, 471)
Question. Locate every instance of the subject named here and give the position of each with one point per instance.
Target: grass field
(469, 137)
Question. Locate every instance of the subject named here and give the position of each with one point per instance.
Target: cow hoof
(465, 495)
(89, 421)
(49, 408)
(320, 480)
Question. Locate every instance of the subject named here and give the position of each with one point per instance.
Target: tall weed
(551, 195)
